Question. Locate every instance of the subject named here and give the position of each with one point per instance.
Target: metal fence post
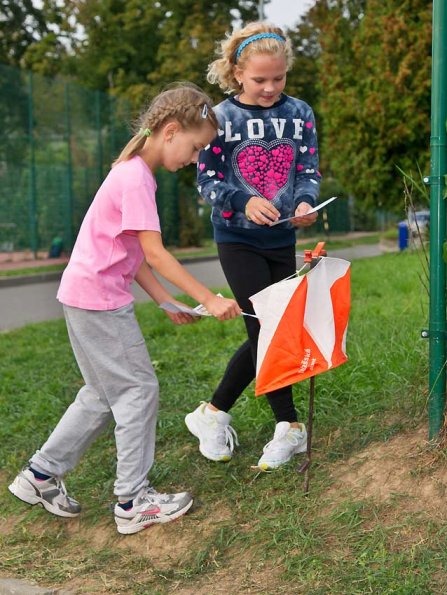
(68, 218)
(32, 200)
(112, 110)
(98, 134)
(437, 328)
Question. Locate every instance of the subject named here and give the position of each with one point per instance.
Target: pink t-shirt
(107, 253)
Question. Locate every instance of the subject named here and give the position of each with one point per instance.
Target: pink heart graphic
(201, 166)
(217, 150)
(265, 167)
(312, 150)
(309, 124)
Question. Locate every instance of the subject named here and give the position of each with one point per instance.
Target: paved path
(25, 300)
(35, 302)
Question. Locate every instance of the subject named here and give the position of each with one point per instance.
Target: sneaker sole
(33, 499)
(131, 529)
(273, 466)
(189, 421)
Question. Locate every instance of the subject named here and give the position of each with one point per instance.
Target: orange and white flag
(304, 321)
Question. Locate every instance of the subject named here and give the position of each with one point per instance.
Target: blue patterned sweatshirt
(270, 152)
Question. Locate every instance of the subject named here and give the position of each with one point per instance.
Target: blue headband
(255, 38)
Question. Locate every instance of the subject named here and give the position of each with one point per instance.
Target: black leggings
(248, 270)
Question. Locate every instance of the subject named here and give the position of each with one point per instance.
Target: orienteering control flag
(303, 325)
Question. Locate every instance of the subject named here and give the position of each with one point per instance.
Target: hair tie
(253, 38)
(145, 132)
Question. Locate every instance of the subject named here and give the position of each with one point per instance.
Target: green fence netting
(57, 141)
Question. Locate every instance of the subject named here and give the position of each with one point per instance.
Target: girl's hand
(181, 317)
(261, 211)
(222, 308)
(303, 220)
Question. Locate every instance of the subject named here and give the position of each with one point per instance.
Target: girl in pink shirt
(119, 242)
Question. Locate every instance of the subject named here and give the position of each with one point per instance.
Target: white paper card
(317, 208)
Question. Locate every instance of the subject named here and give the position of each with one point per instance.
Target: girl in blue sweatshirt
(262, 167)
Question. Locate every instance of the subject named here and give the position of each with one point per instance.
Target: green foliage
(20, 26)
(28, 37)
(375, 93)
(191, 228)
(134, 48)
(302, 77)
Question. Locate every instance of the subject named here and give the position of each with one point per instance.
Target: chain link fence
(57, 141)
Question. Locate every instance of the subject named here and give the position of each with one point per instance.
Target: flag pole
(312, 258)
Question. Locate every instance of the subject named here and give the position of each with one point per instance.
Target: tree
(135, 47)
(375, 93)
(303, 76)
(188, 36)
(21, 24)
(30, 36)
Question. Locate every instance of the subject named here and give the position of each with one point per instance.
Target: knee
(151, 389)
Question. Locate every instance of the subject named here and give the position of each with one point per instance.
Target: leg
(248, 270)
(261, 269)
(81, 423)
(239, 373)
(241, 369)
(125, 383)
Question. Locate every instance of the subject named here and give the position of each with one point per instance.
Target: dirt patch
(163, 544)
(405, 467)
(240, 575)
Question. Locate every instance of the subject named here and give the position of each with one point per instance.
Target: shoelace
(61, 485)
(274, 444)
(63, 490)
(228, 435)
(151, 494)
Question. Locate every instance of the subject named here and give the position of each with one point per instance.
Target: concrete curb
(13, 586)
(37, 277)
(14, 281)
(358, 251)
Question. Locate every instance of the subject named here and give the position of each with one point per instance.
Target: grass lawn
(374, 521)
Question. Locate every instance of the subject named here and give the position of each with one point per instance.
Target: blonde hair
(221, 71)
(184, 103)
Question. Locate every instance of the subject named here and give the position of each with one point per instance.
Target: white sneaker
(214, 432)
(50, 493)
(287, 441)
(151, 507)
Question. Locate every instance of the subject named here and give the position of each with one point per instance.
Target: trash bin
(57, 244)
(403, 234)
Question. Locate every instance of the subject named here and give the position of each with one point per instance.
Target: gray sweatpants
(120, 385)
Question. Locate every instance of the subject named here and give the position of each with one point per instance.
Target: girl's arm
(164, 263)
(152, 286)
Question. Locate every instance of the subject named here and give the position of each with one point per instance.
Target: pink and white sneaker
(50, 493)
(151, 507)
